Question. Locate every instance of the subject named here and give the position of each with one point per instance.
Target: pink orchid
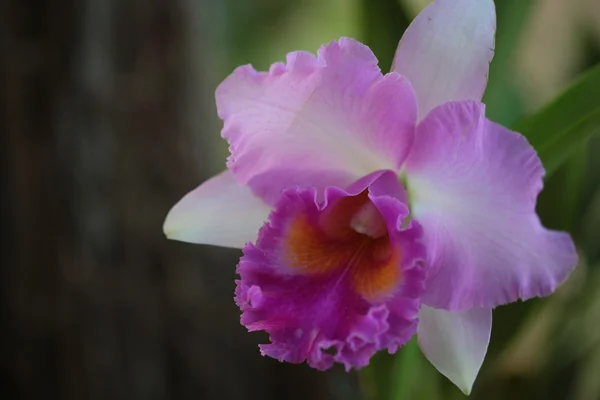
(389, 204)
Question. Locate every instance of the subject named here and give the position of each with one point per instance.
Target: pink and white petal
(446, 51)
(316, 121)
(219, 212)
(473, 186)
(455, 342)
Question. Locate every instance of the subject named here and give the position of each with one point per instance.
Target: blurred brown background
(104, 116)
(107, 120)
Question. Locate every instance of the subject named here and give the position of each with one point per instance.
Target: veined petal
(446, 51)
(220, 212)
(313, 281)
(455, 342)
(473, 187)
(316, 121)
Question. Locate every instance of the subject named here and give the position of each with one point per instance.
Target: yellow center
(351, 234)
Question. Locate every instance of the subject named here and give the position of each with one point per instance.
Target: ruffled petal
(326, 293)
(473, 187)
(220, 212)
(316, 121)
(446, 51)
(455, 342)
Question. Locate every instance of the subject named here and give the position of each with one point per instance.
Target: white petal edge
(446, 51)
(219, 212)
(455, 342)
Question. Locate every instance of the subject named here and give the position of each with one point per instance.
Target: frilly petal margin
(455, 342)
(473, 186)
(446, 51)
(219, 212)
(315, 121)
(319, 318)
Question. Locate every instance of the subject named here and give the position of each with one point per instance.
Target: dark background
(107, 119)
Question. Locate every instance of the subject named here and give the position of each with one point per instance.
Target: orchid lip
(336, 279)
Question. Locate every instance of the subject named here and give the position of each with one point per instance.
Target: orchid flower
(371, 207)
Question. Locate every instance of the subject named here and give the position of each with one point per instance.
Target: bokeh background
(108, 118)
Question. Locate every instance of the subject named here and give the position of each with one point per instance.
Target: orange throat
(351, 236)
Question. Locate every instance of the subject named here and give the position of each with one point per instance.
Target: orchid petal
(316, 121)
(325, 292)
(446, 51)
(473, 186)
(455, 342)
(219, 212)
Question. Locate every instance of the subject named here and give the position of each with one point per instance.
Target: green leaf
(503, 97)
(405, 370)
(561, 126)
(384, 22)
(560, 204)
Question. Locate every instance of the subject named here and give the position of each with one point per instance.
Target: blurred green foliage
(541, 349)
(561, 126)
